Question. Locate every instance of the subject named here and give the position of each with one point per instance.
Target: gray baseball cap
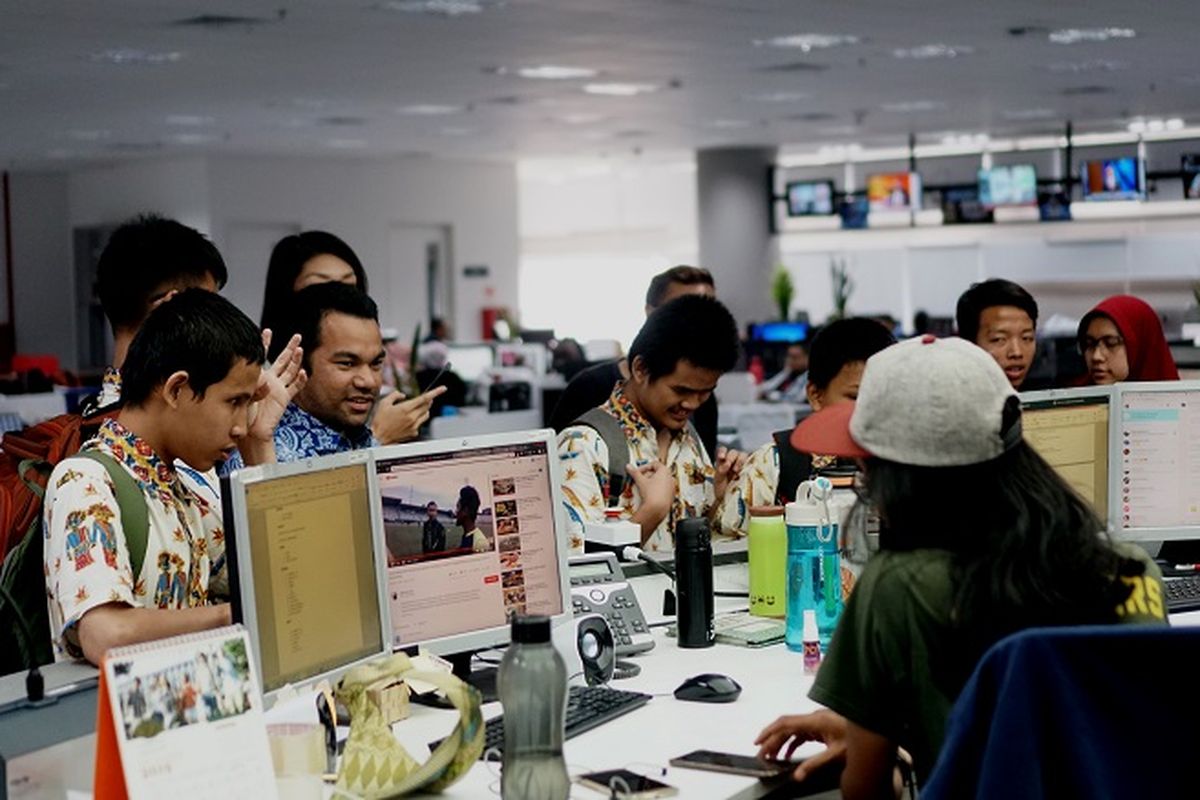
(927, 402)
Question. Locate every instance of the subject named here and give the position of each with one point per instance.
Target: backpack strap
(135, 518)
(794, 467)
(614, 439)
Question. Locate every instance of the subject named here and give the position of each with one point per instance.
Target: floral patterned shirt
(584, 457)
(758, 485)
(87, 562)
(301, 435)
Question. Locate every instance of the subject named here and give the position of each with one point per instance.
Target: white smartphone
(624, 784)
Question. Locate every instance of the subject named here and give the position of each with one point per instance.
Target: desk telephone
(599, 586)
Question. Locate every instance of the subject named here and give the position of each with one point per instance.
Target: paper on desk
(427, 662)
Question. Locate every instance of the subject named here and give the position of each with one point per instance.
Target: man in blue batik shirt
(343, 356)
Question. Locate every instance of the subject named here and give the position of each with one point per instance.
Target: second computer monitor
(473, 535)
(1071, 430)
(1157, 452)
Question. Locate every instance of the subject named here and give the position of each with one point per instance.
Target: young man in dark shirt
(592, 386)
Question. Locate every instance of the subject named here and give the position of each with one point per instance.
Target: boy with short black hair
(1001, 317)
(191, 375)
(674, 364)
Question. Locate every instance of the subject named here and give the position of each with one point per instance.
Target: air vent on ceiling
(342, 122)
(214, 21)
(810, 116)
(505, 100)
(1084, 91)
(630, 134)
(135, 147)
(1028, 30)
(795, 66)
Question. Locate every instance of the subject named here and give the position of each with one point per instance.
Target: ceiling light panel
(1078, 35)
(620, 89)
(1091, 65)
(807, 42)
(430, 109)
(133, 56)
(554, 72)
(440, 8)
(913, 106)
(777, 97)
(928, 52)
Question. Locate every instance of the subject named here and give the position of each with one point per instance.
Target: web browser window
(471, 539)
(1160, 459)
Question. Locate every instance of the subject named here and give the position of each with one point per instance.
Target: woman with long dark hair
(312, 257)
(980, 538)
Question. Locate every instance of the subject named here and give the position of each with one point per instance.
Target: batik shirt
(86, 559)
(757, 485)
(301, 435)
(108, 396)
(584, 457)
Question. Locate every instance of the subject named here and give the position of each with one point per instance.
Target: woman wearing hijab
(1122, 340)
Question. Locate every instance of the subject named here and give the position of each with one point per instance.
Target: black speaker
(596, 648)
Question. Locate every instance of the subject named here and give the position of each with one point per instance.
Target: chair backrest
(1089, 712)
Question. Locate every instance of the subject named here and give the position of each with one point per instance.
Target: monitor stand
(482, 679)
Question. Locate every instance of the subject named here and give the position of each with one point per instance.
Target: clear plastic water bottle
(813, 567)
(533, 691)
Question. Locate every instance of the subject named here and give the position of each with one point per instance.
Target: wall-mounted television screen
(1008, 186)
(894, 191)
(810, 199)
(1112, 179)
(961, 206)
(1191, 176)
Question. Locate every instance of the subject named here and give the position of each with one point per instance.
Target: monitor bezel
(500, 635)
(833, 199)
(241, 562)
(1063, 398)
(1147, 535)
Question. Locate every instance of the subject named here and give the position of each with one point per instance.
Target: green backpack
(25, 637)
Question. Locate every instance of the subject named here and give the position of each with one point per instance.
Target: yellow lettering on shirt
(1145, 598)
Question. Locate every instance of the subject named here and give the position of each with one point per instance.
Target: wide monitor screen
(1070, 430)
(1112, 179)
(961, 206)
(1008, 186)
(789, 332)
(810, 198)
(894, 191)
(1159, 450)
(471, 538)
(306, 566)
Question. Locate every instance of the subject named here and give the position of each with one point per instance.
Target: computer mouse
(709, 688)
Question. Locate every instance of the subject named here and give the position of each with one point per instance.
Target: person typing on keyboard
(980, 539)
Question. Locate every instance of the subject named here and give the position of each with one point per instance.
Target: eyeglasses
(1110, 343)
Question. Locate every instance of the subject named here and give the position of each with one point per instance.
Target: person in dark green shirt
(980, 538)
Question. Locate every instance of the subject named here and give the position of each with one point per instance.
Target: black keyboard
(1183, 593)
(587, 708)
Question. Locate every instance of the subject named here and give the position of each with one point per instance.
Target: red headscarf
(1145, 346)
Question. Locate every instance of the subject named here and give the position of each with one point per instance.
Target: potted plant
(782, 292)
(843, 286)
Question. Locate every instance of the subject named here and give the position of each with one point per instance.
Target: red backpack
(27, 457)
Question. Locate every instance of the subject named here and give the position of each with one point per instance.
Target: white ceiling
(122, 78)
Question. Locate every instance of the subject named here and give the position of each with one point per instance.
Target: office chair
(1089, 712)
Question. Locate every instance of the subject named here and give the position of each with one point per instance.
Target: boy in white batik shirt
(192, 385)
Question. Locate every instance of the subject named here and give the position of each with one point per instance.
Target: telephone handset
(599, 586)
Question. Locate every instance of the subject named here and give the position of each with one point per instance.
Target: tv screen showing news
(810, 198)
(894, 191)
(1008, 186)
(1112, 179)
(1191, 176)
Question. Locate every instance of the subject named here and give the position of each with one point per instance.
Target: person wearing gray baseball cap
(979, 538)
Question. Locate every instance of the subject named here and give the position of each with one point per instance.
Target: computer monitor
(1158, 454)
(789, 332)
(1072, 430)
(894, 191)
(453, 578)
(306, 566)
(471, 361)
(1008, 186)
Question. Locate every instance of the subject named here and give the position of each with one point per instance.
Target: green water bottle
(767, 536)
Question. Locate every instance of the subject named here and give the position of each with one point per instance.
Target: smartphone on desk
(750, 766)
(625, 784)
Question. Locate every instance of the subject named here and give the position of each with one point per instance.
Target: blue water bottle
(813, 567)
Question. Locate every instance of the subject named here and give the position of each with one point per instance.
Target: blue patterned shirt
(301, 435)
